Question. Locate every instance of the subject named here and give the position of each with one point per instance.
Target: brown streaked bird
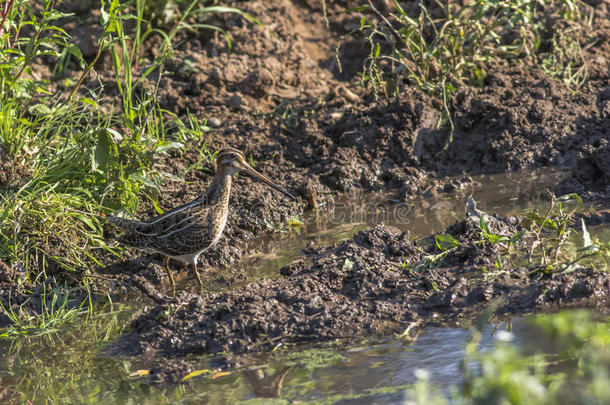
(185, 232)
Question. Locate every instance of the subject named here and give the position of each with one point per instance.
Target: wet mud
(280, 96)
(369, 286)
(279, 93)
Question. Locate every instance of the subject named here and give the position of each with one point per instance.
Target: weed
(566, 60)
(295, 222)
(440, 53)
(548, 233)
(544, 244)
(427, 262)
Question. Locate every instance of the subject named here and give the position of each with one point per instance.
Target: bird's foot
(197, 276)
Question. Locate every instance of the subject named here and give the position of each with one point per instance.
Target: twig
(7, 9)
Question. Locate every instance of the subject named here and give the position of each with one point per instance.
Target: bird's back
(182, 230)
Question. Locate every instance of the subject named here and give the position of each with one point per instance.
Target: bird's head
(232, 161)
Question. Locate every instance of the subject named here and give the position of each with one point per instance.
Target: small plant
(445, 242)
(549, 231)
(566, 60)
(503, 242)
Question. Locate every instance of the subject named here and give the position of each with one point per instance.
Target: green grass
(57, 310)
(81, 157)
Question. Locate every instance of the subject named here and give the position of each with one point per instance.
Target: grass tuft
(80, 154)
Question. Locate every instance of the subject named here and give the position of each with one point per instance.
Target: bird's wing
(190, 238)
(175, 222)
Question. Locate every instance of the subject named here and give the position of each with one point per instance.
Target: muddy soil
(371, 285)
(279, 93)
(279, 96)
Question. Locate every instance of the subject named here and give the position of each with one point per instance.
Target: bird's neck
(220, 189)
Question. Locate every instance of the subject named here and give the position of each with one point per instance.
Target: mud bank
(369, 286)
(279, 93)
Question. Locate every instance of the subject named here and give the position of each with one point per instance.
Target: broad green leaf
(157, 208)
(117, 136)
(542, 221)
(492, 238)
(165, 146)
(444, 241)
(516, 237)
(105, 151)
(75, 51)
(39, 110)
(483, 224)
(137, 177)
(88, 101)
(87, 221)
(570, 197)
(55, 14)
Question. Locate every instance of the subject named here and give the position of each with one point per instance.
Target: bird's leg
(169, 274)
(197, 274)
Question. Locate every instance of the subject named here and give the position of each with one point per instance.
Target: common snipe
(187, 231)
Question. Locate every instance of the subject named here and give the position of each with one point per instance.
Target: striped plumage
(187, 231)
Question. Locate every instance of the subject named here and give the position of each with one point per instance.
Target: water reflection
(264, 385)
(378, 372)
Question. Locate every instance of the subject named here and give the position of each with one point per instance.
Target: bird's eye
(232, 155)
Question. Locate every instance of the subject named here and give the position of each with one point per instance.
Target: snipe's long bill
(186, 232)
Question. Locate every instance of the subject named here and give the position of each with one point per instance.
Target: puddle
(380, 369)
(378, 372)
(504, 194)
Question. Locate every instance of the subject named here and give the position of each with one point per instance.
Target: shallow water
(377, 371)
(503, 194)
(68, 368)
